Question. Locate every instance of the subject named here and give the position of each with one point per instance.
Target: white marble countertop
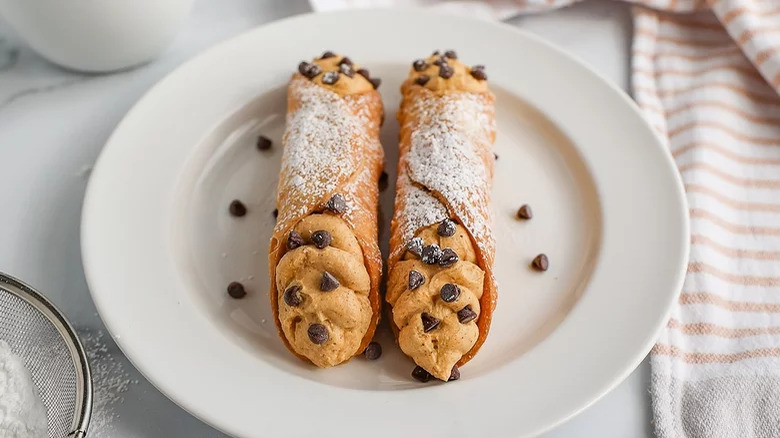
(54, 123)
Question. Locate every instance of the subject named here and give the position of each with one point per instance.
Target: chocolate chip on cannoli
(415, 246)
(421, 375)
(495, 155)
(347, 70)
(431, 254)
(373, 351)
(416, 279)
(419, 65)
(330, 78)
(455, 374)
(435, 53)
(346, 61)
(540, 262)
(337, 204)
(448, 257)
(237, 208)
(446, 228)
(327, 54)
(429, 322)
(321, 238)
(478, 72)
(292, 296)
(236, 290)
(308, 69)
(364, 72)
(525, 212)
(318, 334)
(440, 61)
(422, 80)
(329, 282)
(375, 82)
(264, 143)
(466, 315)
(449, 292)
(446, 71)
(294, 240)
(451, 54)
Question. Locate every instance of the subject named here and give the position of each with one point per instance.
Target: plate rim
(89, 205)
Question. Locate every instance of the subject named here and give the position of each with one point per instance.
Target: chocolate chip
(416, 279)
(363, 72)
(435, 53)
(479, 73)
(421, 375)
(327, 54)
(373, 351)
(541, 263)
(337, 204)
(383, 181)
(525, 212)
(415, 246)
(275, 213)
(321, 238)
(455, 374)
(346, 61)
(446, 228)
(375, 82)
(237, 208)
(419, 65)
(431, 254)
(495, 155)
(236, 290)
(294, 240)
(422, 80)
(328, 282)
(429, 322)
(264, 143)
(448, 257)
(440, 61)
(318, 334)
(451, 54)
(347, 70)
(466, 315)
(292, 296)
(449, 292)
(330, 77)
(309, 69)
(446, 71)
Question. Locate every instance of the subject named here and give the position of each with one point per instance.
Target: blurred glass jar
(96, 35)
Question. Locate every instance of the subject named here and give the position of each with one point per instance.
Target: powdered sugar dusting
(420, 209)
(447, 153)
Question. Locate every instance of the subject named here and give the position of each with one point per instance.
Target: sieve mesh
(50, 354)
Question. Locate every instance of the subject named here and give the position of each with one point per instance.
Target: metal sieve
(38, 333)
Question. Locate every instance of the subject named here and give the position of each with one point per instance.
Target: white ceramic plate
(159, 247)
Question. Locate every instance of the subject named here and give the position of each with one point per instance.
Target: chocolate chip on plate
(308, 69)
(328, 282)
(540, 262)
(337, 204)
(448, 257)
(237, 208)
(294, 240)
(421, 375)
(429, 322)
(364, 72)
(525, 212)
(466, 315)
(318, 334)
(347, 70)
(375, 82)
(327, 54)
(292, 296)
(346, 61)
(321, 238)
(446, 228)
(451, 54)
(275, 213)
(455, 374)
(264, 143)
(449, 292)
(236, 290)
(330, 77)
(373, 351)
(383, 180)
(446, 71)
(431, 254)
(419, 65)
(416, 279)
(422, 80)
(415, 246)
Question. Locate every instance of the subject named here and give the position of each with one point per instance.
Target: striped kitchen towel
(707, 75)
